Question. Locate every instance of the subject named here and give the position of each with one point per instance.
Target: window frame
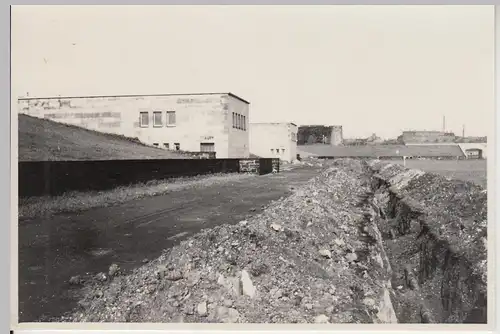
(168, 113)
(156, 112)
(141, 114)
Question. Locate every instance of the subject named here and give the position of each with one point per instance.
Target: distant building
(374, 140)
(418, 137)
(274, 140)
(474, 153)
(207, 122)
(320, 134)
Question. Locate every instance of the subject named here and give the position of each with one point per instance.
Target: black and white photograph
(239, 164)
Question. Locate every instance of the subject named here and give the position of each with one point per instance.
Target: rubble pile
(313, 257)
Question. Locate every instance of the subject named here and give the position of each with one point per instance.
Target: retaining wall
(38, 178)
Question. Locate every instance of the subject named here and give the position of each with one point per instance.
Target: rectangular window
(244, 123)
(166, 145)
(177, 146)
(239, 122)
(157, 121)
(171, 118)
(144, 119)
(156, 144)
(207, 147)
(272, 151)
(234, 120)
(282, 151)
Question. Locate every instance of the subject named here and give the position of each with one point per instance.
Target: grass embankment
(79, 201)
(41, 139)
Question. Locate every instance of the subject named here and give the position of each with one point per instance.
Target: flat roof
(273, 123)
(128, 95)
(318, 125)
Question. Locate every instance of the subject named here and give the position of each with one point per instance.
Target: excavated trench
(431, 280)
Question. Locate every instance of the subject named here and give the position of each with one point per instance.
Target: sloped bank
(435, 233)
(315, 256)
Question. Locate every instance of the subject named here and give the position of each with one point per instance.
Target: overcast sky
(371, 69)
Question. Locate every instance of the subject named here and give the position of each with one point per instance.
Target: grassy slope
(41, 139)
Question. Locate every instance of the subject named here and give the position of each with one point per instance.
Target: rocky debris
(321, 319)
(325, 253)
(202, 309)
(114, 270)
(268, 270)
(276, 227)
(351, 257)
(101, 277)
(247, 285)
(339, 242)
(76, 280)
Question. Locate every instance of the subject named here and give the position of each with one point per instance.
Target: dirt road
(52, 250)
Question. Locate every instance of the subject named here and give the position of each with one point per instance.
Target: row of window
(239, 122)
(278, 151)
(157, 119)
(204, 147)
(166, 146)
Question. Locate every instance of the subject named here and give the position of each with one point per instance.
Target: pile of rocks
(306, 258)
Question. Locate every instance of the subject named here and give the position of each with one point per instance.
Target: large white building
(188, 122)
(274, 140)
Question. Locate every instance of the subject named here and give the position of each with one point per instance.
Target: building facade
(274, 140)
(422, 137)
(211, 122)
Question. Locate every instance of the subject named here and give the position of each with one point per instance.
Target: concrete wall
(200, 118)
(337, 135)
(238, 137)
(320, 134)
(268, 140)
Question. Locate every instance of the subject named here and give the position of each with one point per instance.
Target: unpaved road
(51, 250)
